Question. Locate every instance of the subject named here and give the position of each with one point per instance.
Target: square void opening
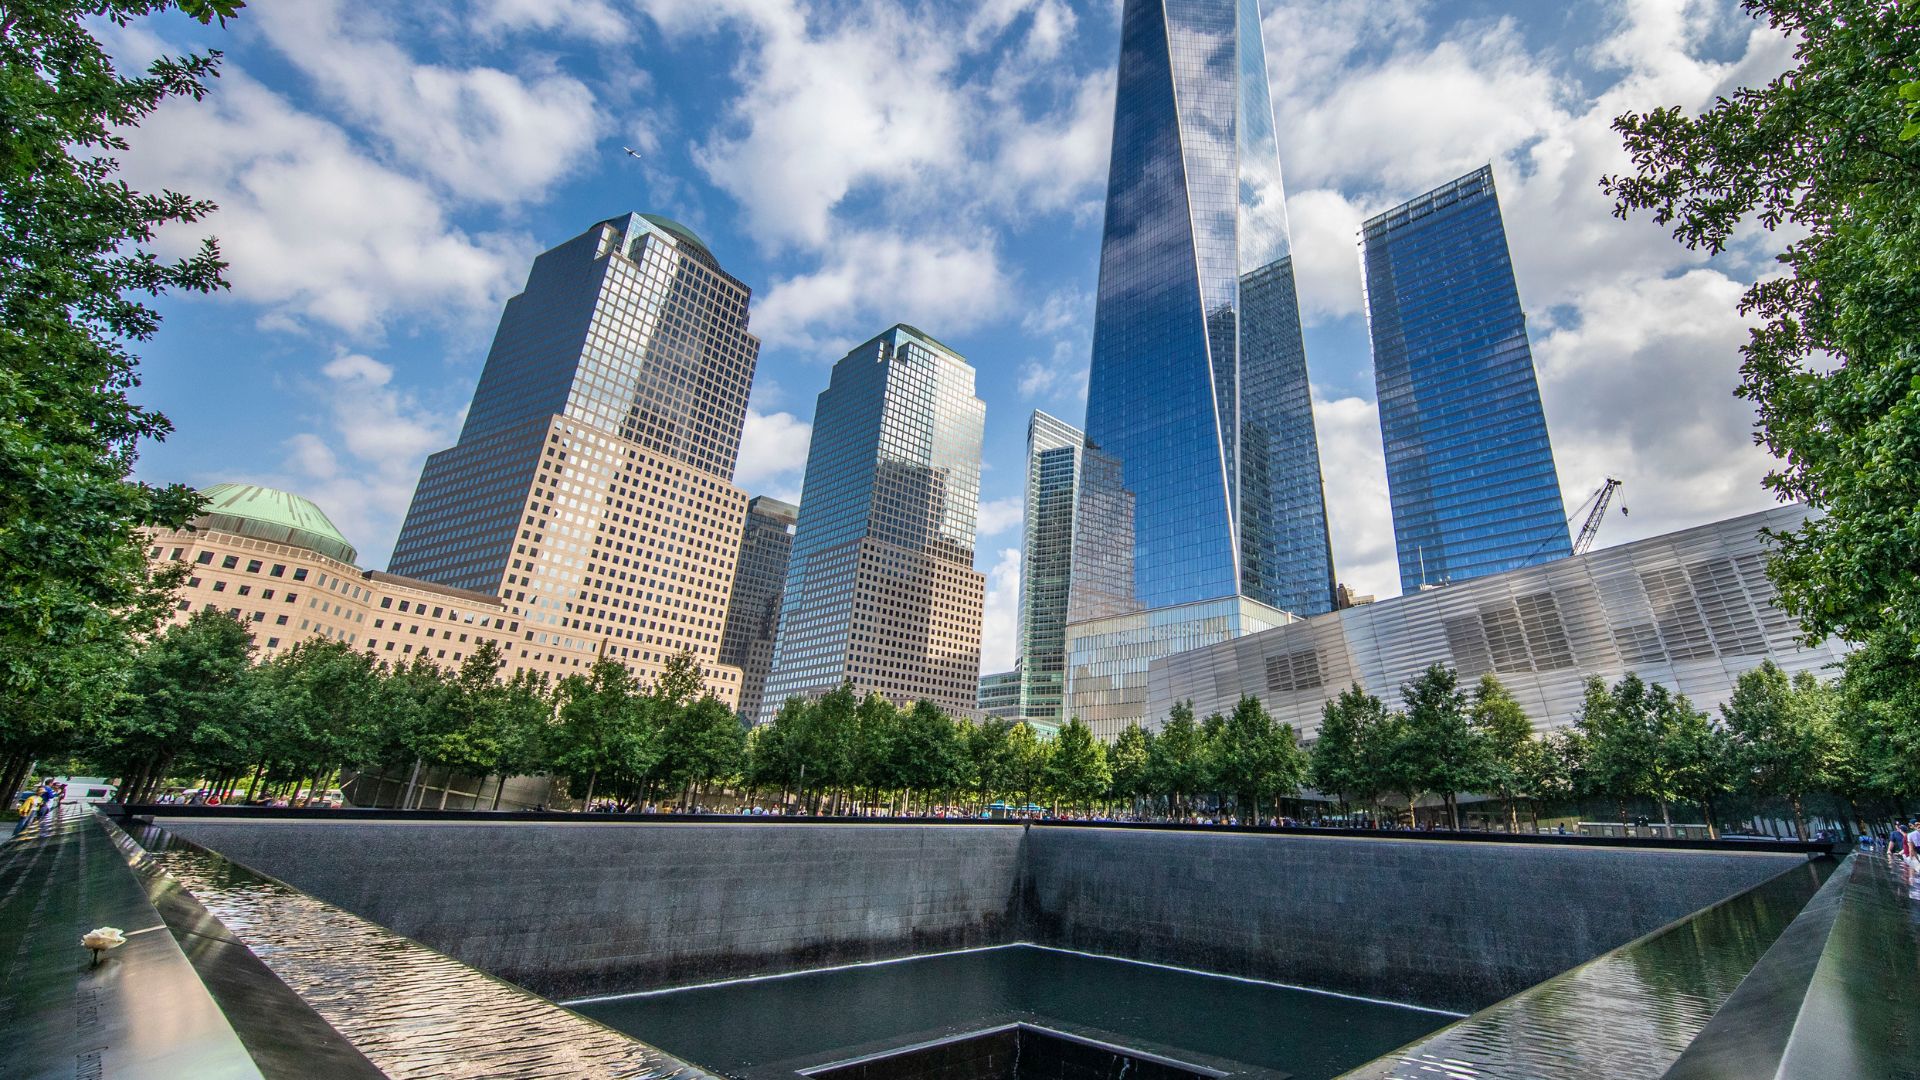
(1013, 1052)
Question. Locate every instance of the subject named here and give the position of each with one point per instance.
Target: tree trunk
(1453, 811)
(1666, 818)
(1706, 811)
(1513, 817)
(499, 786)
(1799, 816)
(587, 803)
(406, 799)
(446, 788)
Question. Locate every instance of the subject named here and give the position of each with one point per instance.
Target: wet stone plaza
(294, 944)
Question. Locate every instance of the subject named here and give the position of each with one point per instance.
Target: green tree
(1176, 765)
(1784, 732)
(1259, 760)
(1698, 758)
(701, 744)
(928, 755)
(987, 758)
(1621, 743)
(882, 755)
(194, 675)
(1441, 750)
(76, 278)
(1339, 764)
(1833, 369)
(1026, 758)
(1877, 757)
(319, 706)
(1076, 768)
(1506, 737)
(601, 730)
(1130, 761)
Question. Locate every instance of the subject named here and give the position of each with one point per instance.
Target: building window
(259, 616)
(273, 643)
(279, 569)
(219, 586)
(245, 590)
(300, 573)
(229, 562)
(181, 606)
(193, 583)
(280, 620)
(204, 558)
(266, 594)
(177, 552)
(386, 601)
(253, 566)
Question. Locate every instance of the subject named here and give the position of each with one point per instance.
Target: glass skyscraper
(1469, 466)
(591, 486)
(753, 610)
(1198, 392)
(1055, 450)
(881, 589)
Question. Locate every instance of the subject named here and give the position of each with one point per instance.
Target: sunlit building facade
(1691, 610)
(1055, 451)
(591, 486)
(881, 590)
(1469, 466)
(1198, 392)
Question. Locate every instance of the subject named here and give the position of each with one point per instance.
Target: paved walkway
(142, 1012)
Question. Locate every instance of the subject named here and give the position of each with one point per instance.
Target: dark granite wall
(1444, 924)
(578, 909)
(574, 910)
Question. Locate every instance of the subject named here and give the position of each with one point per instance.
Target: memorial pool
(760, 1029)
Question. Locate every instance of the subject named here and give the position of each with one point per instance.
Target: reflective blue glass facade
(1198, 390)
(1469, 466)
(1054, 455)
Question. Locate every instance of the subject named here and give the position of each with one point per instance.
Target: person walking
(1896, 840)
(29, 809)
(38, 806)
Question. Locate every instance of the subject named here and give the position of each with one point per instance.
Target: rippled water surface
(1624, 1016)
(413, 1011)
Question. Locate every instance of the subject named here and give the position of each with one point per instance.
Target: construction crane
(1600, 499)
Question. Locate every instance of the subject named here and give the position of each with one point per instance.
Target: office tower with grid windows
(1055, 452)
(1198, 392)
(753, 611)
(1469, 466)
(591, 486)
(881, 589)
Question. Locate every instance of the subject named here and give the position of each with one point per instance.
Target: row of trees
(1776, 738)
(194, 706)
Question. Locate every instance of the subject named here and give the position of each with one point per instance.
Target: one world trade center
(1214, 523)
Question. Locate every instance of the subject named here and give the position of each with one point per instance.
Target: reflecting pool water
(1625, 1015)
(767, 1028)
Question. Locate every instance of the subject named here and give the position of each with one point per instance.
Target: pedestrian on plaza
(29, 809)
(1896, 839)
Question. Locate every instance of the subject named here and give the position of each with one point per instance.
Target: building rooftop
(679, 232)
(282, 517)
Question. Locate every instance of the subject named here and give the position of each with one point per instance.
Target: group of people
(42, 801)
(1903, 842)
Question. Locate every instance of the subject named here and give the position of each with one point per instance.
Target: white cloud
(773, 454)
(595, 20)
(362, 461)
(481, 133)
(871, 280)
(1326, 253)
(1649, 401)
(1359, 517)
(1000, 621)
(999, 515)
(315, 231)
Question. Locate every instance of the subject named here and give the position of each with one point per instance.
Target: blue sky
(386, 171)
